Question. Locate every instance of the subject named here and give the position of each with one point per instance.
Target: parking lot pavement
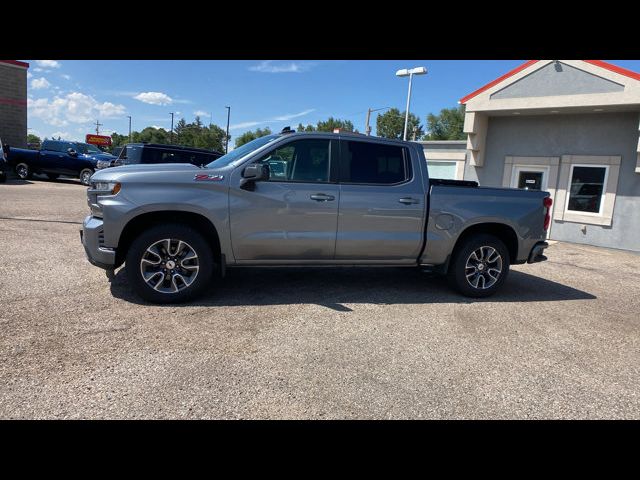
(562, 340)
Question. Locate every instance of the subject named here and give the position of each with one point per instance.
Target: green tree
(247, 137)
(390, 124)
(31, 138)
(331, 123)
(447, 125)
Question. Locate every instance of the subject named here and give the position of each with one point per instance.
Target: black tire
(138, 249)
(85, 176)
(23, 171)
(52, 176)
(464, 256)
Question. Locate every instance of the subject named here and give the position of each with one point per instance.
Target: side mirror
(255, 172)
(72, 152)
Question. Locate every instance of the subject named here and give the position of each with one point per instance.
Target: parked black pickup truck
(57, 158)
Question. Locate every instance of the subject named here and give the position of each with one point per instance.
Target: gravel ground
(560, 341)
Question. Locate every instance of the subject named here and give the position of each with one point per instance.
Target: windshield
(87, 149)
(240, 152)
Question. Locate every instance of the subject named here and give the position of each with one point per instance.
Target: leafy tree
(447, 125)
(247, 137)
(31, 138)
(390, 124)
(187, 134)
(331, 123)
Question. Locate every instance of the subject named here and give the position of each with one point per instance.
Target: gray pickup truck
(307, 199)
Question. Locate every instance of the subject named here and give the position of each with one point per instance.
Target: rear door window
(374, 163)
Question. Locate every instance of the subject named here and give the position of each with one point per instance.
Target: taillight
(547, 202)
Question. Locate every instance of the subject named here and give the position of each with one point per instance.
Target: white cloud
(40, 83)
(38, 69)
(290, 116)
(73, 107)
(159, 127)
(201, 113)
(280, 118)
(154, 98)
(244, 125)
(65, 76)
(29, 75)
(48, 63)
(267, 66)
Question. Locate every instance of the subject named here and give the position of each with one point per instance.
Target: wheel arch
(140, 223)
(502, 231)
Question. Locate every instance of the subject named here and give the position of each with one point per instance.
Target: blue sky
(66, 97)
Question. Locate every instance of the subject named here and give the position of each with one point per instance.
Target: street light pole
(409, 73)
(171, 113)
(226, 146)
(129, 128)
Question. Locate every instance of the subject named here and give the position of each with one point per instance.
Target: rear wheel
(479, 266)
(169, 264)
(85, 176)
(23, 171)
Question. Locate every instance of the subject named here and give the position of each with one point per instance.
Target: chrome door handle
(408, 200)
(322, 197)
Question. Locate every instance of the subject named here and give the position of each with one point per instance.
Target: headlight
(105, 188)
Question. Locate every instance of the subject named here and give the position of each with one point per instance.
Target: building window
(442, 169)
(587, 189)
(587, 186)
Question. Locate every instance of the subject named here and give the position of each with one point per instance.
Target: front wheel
(23, 171)
(479, 266)
(169, 264)
(85, 176)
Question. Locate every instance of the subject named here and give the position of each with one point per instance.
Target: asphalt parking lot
(562, 340)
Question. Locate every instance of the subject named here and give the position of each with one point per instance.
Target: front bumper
(91, 234)
(536, 254)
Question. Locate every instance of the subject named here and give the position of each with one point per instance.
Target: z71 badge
(208, 178)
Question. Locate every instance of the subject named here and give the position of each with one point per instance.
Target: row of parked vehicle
(80, 160)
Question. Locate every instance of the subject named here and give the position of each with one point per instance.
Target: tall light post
(171, 113)
(367, 129)
(129, 116)
(226, 143)
(405, 72)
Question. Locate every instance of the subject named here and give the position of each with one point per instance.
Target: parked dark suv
(135, 153)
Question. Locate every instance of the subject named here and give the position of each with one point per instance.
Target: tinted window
(131, 154)
(373, 163)
(587, 185)
(299, 161)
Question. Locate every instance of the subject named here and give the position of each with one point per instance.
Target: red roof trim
(16, 62)
(615, 68)
(498, 80)
(597, 63)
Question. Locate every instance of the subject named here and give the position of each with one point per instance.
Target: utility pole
(98, 125)
(171, 113)
(226, 146)
(129, 128)
(367, 129)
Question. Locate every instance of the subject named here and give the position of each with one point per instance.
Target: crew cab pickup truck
(307, 199)
(57, 157)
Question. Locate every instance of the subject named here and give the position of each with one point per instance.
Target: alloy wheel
(169, 265)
